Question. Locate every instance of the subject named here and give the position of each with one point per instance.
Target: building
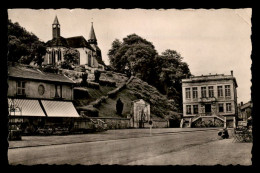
(245, 112)
(209, 100)
(34, 95)
(140, 114)
(88, 51)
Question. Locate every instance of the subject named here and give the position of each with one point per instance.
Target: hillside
(103, 99)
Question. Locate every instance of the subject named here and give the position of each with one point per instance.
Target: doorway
(208, 108)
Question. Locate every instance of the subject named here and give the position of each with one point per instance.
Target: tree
(139, 56)
(170, 71)
(71, 58)
(134, 52)
(23, 46)
(119, 107)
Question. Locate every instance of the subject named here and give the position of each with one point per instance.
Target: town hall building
(88, 51)
(209, 98)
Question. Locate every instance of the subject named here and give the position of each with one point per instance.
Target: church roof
(78, 41)
(100, 61)
(56, 21)
(92, 35)
(60, 41)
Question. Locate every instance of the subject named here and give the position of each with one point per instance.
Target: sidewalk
(34, 141)
(223, 152)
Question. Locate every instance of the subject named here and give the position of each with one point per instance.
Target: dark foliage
(24, 47)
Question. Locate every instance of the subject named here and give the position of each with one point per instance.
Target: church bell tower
(92, 36)
(56, 28)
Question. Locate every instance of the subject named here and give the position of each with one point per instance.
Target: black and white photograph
(129, 86)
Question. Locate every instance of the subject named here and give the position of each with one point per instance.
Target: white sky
(211, 41)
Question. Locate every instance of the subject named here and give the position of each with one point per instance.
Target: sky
(210, 41)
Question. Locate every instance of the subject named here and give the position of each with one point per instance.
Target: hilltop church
(89, 52)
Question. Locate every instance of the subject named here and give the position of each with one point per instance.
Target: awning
(59, 109)
(24, 107)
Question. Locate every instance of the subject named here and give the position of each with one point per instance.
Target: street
(132, 147)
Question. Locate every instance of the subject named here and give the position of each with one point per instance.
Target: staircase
(195, 118)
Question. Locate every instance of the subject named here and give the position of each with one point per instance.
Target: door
(208, 108)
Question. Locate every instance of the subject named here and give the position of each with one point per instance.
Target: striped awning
(24, 107)
(59, 109)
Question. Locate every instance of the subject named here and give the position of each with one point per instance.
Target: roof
(26, 72)
(92, 35)
(78, 41)
(56, 21)
(60, 41)
(99, 55)
(246, 105)
(205, 78)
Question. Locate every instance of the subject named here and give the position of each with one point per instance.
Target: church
(88, 51)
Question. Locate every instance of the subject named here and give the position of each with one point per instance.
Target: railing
(221, 117)
(196, 117)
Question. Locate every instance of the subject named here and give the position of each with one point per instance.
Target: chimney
(241, 103)
(231, 72)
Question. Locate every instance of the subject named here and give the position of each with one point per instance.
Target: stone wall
(115, 123)
(160, 124)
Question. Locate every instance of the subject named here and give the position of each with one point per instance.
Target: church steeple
(92, 35)
(56, 28)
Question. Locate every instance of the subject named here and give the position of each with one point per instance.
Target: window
(203, 92)
(188, 111)
(20, 87)
(59, 55)
(220, 107)
(41, 89)
(195, 92)
(228, 107)
(195, 109)
(53, 56)
(58, 91)
(187, 93)
(211, 91)
(220, 91)
(227, 91)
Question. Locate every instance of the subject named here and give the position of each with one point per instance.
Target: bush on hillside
(97, 74)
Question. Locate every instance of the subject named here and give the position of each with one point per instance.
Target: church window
(59, 55)
(89, 59)
(53, 57)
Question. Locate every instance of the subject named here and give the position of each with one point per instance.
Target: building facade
(88, 51)
(140, 114)
(245, 111)
(209, 99)
(35, 96)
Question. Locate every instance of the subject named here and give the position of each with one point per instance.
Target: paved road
(131, 147)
